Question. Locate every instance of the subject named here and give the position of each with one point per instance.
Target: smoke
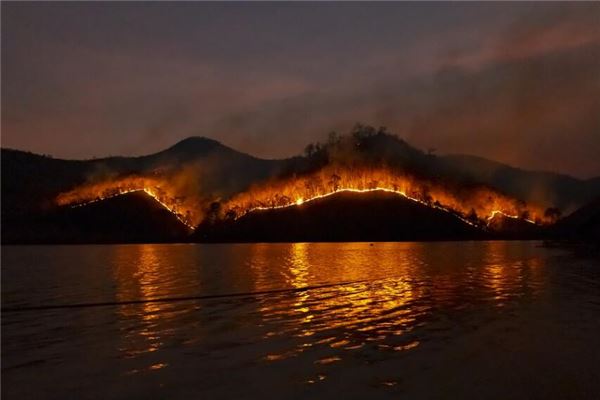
(514, 83)
(518, 98)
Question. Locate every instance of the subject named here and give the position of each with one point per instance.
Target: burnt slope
(130, 218)
(344, 216)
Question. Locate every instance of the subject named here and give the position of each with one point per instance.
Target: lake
(492, 320)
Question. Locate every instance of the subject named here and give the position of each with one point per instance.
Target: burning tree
(335, 182)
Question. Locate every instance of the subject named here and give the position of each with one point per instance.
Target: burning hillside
(474, 205)
(365, 161)
(185, 207)
(343, 216)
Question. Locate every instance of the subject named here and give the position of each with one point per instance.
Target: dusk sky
(518, 83)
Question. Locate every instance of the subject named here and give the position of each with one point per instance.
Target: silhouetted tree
(426, 195)
(214, 210)
(309, 150)
(284, 200)
(335, 182)
(472, 216)
(333, 139)
(382, 131)
(362, 132)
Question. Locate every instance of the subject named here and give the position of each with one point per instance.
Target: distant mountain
(214, 172)
(546, 188)
(344, 216)
(582, 224)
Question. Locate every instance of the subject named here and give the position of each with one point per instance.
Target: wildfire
(499, 212)
(475, 206)
(184, 208)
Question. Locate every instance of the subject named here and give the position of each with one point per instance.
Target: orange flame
(185, 208)
(473, 205)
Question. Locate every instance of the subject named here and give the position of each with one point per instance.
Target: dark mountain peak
(367, 145)
(204, 167)
(196, 147)
(196, 144)
(392, 146)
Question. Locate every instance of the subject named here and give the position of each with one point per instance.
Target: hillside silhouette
(212, 173)
(343, 216)
(130, 218)
(583, 224)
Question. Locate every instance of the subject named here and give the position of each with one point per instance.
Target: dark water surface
(392, 320)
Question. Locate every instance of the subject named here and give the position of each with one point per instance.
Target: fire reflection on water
(488, 313)
(348, 316)
(391, 297)
(299, 278)
(140, 277)
(388, 297)
(142, 274)
(502, 277)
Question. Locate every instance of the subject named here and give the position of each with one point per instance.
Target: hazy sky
(515, 82)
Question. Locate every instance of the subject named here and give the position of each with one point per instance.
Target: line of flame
(496, 212)
(301, 201)
(145, 190)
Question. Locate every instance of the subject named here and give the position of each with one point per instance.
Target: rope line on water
(174, 299)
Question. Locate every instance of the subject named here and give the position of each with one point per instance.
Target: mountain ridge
(189, 142)
(32, 182)
(196, 141)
